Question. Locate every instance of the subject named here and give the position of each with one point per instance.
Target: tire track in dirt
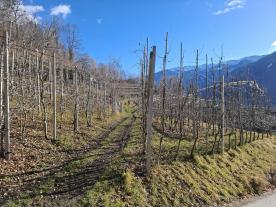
(68, 188)
(34, 178)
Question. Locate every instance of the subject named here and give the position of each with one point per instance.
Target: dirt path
(66, 184)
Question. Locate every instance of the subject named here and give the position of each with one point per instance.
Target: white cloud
(99, 20)
(231, 5)
(273, 44)
(61, 9)
(31, 11)
(234, 3)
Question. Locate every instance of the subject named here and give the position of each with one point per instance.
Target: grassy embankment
(205, 180)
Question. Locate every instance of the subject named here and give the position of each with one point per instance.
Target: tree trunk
(163, 97)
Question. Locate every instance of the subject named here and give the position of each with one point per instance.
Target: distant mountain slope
(234, 64)
(189, 70)
(259, 68)
(243, 62)
(263, 71)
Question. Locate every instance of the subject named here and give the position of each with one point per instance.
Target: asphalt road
(266, 201)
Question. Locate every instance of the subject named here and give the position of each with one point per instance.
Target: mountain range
(259, 68)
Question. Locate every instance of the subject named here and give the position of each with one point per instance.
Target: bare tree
(163, 96)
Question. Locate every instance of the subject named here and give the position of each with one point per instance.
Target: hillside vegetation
(111, 172)
(205, 180)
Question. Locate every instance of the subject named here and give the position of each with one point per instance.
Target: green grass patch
(206, 180)
(213, 179)
(124, 190)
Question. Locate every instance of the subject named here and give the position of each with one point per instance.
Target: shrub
(258, 185)
(271, 175)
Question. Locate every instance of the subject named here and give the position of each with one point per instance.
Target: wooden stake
(222, 113)
(150, 109)
(54, 103)
(6, 102)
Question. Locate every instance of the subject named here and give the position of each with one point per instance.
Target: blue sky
(114, 28)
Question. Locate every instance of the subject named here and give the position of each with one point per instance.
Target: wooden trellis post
(222, 113)
(37, 82)
(1, 81)
(54, 103)
(150, 108)
(76, 111)
(6, 102)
